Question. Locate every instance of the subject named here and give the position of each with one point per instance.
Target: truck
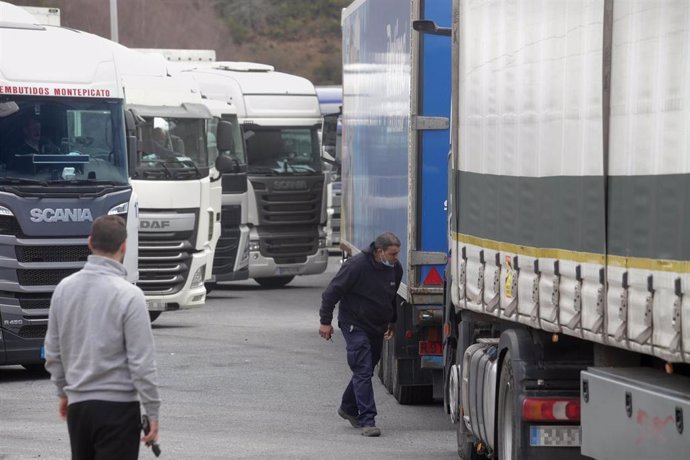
(331, 154)
(395, 143)
(176, 180)
(566, 318)
(63, 163)
(279, 115)
(230, 260)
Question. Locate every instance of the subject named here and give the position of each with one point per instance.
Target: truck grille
(163, 264)
(34, 301)
(292, 244)
(52, 253)
(43, 277)
(280, 203)
(33, 331)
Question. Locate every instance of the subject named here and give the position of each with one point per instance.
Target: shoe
(350, 418)
(371, 431)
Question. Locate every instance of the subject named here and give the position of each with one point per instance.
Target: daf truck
(279, 114)
(63, 163)
(231, 252)
(175, 177)
(567, 314)
(395, 143)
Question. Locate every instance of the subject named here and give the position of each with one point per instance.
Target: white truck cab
(280, 119)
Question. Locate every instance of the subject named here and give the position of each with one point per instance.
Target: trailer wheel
(153, 315)
(467, 450)
(274, 282)
(509, 423)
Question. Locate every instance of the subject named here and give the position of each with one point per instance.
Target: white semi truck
(280, 117)
(176, 178)
(567, 316)
(63, 163)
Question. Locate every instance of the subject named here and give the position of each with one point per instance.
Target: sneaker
(350, 418)
(371, 431)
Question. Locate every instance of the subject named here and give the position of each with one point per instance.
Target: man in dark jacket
(366, 287)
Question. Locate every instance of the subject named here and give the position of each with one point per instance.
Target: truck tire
(153, 315)
(510, 424)
(274, 282)
(467, 450)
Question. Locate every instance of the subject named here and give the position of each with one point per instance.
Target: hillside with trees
(295, 36)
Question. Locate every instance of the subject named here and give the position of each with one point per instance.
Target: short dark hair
(108, 233)
(384, 240)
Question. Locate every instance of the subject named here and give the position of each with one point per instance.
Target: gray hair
(384, 240)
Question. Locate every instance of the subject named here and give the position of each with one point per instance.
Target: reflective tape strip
(554, 436)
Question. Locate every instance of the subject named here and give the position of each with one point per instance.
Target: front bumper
(266, 267)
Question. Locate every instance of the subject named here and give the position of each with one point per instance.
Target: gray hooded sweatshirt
(99, 344)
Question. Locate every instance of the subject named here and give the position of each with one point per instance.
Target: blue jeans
(363, 353)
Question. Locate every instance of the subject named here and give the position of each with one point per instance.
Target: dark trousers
(104, 430)
(363, 353)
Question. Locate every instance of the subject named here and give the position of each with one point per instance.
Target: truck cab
(174, 175)
(286, 186)
(63, 163)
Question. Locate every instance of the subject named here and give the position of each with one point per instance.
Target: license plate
(554, 436)
(155, 305)
(288, 270)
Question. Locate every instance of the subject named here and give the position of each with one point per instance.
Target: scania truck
(63, 163)
(174, 175)
(395, 143)
(567, 314)
(286, 186)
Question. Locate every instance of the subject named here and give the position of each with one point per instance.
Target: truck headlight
(119, 209)
(5, 211)
(254, 246)
(198, 279)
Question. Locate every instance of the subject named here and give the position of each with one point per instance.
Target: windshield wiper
(83, 182)
(22, 181)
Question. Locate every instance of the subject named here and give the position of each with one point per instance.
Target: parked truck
(231, 251)
(63, 163)
(395, 143)
(279, 114)
(331, 154)
(567, 317)
(176, 179)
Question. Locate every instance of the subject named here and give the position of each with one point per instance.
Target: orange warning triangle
(433, 278)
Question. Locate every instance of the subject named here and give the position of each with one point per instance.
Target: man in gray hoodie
(100, 353)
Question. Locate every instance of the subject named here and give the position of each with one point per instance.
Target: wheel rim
(454, 394)
(508, 421)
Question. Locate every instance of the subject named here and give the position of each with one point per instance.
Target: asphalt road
(244, 377)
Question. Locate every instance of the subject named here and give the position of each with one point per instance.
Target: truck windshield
(63, 140)
(237, 150)
(172, 148)
(282, 150)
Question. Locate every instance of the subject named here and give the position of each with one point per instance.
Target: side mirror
(430, 27)
(224, 137)
(226, 165)
(8, 108)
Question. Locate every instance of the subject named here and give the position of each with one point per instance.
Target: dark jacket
(366, 291)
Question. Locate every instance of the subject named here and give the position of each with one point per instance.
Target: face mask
(386, 263)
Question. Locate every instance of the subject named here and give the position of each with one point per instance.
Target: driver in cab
(33, 142)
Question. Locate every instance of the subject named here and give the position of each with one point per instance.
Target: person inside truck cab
(34, 143)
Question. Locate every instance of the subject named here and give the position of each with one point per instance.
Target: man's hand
(62, 407)
(326, 331)
(390, 332)
(153, 433)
